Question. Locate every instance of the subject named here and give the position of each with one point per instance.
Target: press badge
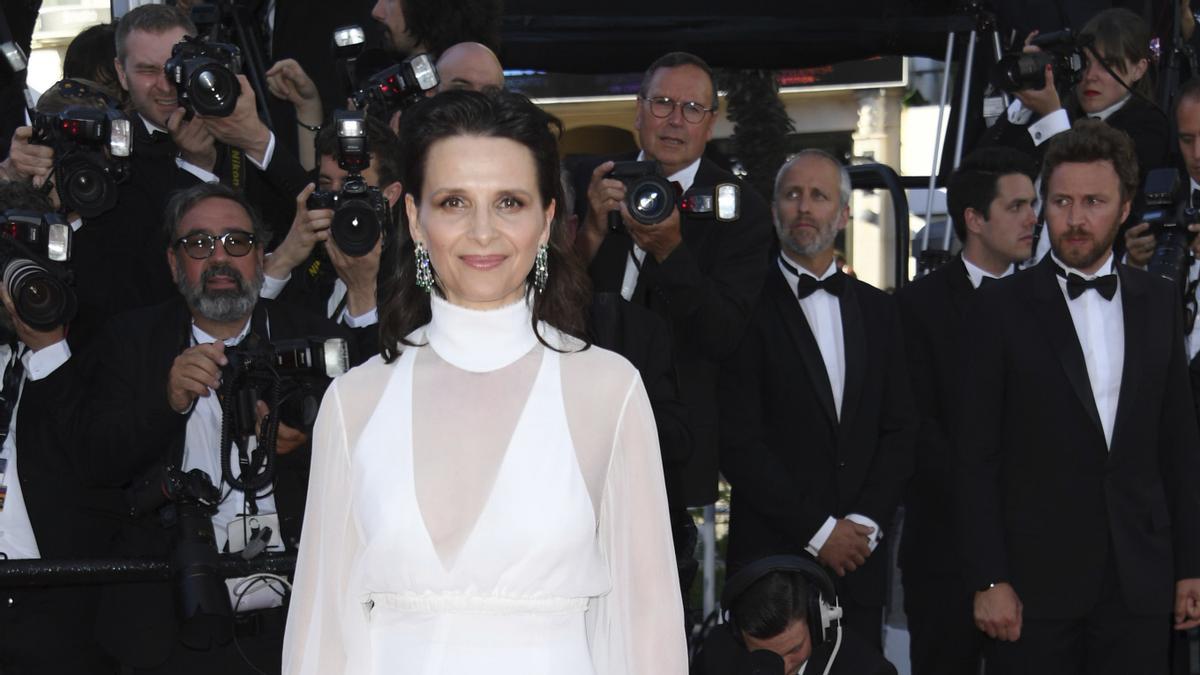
(245, 528)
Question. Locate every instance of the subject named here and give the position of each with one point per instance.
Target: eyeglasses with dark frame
(662, 107)
(201, 245)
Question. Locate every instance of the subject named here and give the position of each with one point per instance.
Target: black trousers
(865, 621)
(50, 632)
(943, 638)
(1109, 640)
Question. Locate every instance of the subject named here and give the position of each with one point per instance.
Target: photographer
(337, 285)
(1120, 40)
(780, 622)
(175, 148)
(700, 275)
(44, 510)
(153, 378)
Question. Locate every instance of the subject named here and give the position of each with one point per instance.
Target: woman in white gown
(487, 497)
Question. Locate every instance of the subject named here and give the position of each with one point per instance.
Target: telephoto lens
(204, 75)
(41, 298)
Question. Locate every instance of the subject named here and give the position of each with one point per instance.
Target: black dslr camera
(650, 197)
(31, 245)
(1060, 49)
(360, 212)
(396, 88)
(1169, 213)
(289, 375)
(186, 503)
(91, 155)
(205, 75)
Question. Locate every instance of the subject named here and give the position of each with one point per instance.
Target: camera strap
(237, 168)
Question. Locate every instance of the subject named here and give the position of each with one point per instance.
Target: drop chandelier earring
(424, 269)
(541, 268)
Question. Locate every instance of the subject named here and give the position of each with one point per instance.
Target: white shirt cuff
(369, 318)
(873, 540)
(202, 174)
(818, 540)
(272, 287)
(267, 156)
(1018, 114)
(1050, 126)
(46, 360)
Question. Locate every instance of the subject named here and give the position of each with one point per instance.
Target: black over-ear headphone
(824, 614)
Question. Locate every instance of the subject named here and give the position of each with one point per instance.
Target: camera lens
(1015, 72)
(213, 90)
(650, 200)
(355, 227)
(42, 300)
(85, 187)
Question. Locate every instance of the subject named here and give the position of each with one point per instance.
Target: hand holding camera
(196, 372)
(308, 228)
(360, 212)
(195, 143)
(241, 127)
(359, 274)
(1042, 100)
(26, 159)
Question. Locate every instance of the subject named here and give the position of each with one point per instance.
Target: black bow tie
(834, 284)
(1195, 198)
(1105, 285)
(985, 281)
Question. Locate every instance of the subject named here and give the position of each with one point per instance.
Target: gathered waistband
(475, 604)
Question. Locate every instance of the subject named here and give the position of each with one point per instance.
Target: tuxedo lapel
(1133, 307)
(854, 337)
(1055, 319)
(802, 336)
(960, 286)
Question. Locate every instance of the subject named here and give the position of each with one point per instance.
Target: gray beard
(221, 306)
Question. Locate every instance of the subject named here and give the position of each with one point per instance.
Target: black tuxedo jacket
(705, 290)
(931, 311)
(127, 427)
(789, 460)
(1149, 129)
(1042, 500)
(119, 257)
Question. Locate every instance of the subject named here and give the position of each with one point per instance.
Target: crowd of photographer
(190, 255)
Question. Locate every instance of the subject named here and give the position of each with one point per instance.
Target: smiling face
(1098, 89)
(672, 140)
(142, 73)
(482, 217)
(1084, 209)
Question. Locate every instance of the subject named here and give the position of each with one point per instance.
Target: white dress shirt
(977, 274)
(202, 450)
(17, 541)
(1056, 122)
(823, 312)
(1100, 327)
(633, 264)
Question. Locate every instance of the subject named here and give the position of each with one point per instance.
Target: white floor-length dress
(485, 505)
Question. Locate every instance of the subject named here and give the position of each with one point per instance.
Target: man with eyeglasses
(153, 377)
(701, 275)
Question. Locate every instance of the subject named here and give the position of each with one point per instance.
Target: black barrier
(875, 176)
(32, 573)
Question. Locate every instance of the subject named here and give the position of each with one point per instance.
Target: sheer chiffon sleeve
(638, 627)
(327, 625)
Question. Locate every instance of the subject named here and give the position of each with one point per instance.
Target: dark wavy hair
(440, 24)
(490, 114)
(976, 181)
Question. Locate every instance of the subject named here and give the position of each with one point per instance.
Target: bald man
(469, 65)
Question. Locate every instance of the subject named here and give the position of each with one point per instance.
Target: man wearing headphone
(783, 618)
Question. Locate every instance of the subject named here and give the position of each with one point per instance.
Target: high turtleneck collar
(480, 341)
